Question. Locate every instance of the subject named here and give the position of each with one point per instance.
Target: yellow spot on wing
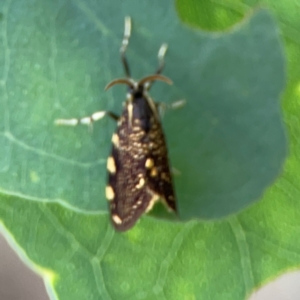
(153, 172)
(130, 112)
(141, 183)
(149, 163)
(115, 140)
(111, 166)
(109, 192)
(116, 219)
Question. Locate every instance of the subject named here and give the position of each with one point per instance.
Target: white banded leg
(173, 105)
(161, 62)
(163, 107)
(86, 120)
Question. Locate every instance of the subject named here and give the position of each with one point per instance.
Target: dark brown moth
(138, 167)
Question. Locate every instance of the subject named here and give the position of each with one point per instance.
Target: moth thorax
(136, 92)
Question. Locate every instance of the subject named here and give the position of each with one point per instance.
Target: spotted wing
(138, 167)
(158, 171)
(130, 194)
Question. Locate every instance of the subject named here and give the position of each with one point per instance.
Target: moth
(138, 167)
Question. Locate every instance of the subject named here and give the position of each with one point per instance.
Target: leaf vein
(166, 263)
(281, 252)
(96, 263)
(99, 279)
(40, 152)
(64, 231)
(92, 17)
(105, 242)
(243, 248)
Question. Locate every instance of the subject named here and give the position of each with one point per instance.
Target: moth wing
(161, 184)
(134, 183)
(131, 194)
(159, 175)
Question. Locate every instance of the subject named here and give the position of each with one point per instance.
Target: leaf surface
(227, 143)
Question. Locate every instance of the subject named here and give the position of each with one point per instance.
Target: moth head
(138, 86)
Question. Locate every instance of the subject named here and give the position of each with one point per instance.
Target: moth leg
(161, 63)
(161, 55)
(87, 120)
(125, 42)
(163, 107)
(175, 172)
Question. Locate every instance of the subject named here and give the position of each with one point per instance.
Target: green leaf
(227, 143)
(81, 257)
